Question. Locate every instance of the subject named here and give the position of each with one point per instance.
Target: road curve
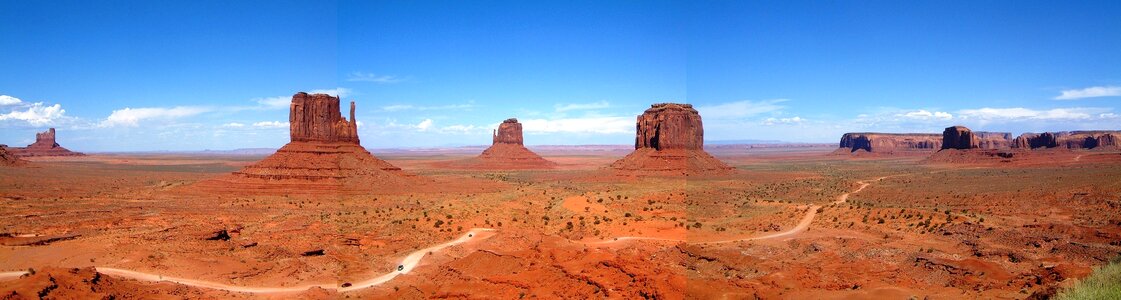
(407, 264)
(800, 227)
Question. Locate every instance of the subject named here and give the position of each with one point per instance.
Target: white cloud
(740, 109)
(464, 129)
(371, 77)
(337, 92)
(132, 117)
(36, 114)
(1090, 92)
(1015, 113)
(233, 125)
(778, 121)
(600, 125)
(923, 114)
(581, 106)
(271, 124)
(9, 100)
(424, 125)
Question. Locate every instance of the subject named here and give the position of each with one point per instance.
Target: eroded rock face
(323, 156)
(669, 140)
(669, 126)
(509, 132)
(1069, 140)
(316, 118)
(44, 145)
(958, 137)
(890, 143)
(8, 158)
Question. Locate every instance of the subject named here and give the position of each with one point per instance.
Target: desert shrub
(1104, 283)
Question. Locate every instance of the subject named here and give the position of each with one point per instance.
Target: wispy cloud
(233, 125)
(581, 106)
(740, 109)
(131, 117)
(282, 102)
(783, 121)
(271, 124)
(923, 114)
(1020, 113)
(375, 78)
(1090, 92)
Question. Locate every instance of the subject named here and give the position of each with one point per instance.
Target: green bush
(1104, 283)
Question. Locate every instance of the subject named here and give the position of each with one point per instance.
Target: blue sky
(129, 76)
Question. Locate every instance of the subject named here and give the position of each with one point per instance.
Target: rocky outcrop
(1097, 139)
(44, 145)
(669, 126)
(323, 156)
(889, 143)
(508, 132)
(993, 140)
(669, 140)
(506, 152)
(7, 158)
(958, 137)
(316, 118)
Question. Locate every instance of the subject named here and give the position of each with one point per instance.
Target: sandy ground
(788, 224)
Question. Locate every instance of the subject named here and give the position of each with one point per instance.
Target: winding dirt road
(412, 260)
(407, 264)
(800, 227)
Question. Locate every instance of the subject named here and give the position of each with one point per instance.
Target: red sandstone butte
(669, 139)
(961, 138)
(324, 155)
(44, 145)
(505, 152)
(1096, 139)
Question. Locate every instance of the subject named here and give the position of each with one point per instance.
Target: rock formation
(889, 143)
(958, 137)
(506, 151)
(509, 132)
(44, 145)
(961, 138)
(323, 155)
(7, 158)
(669, 139)
(1104, 139)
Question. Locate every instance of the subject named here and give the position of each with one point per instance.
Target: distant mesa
(506, 152)
(324, 155)
(44, 145)
(955, 137)
(889, 143)
(1097, 139)
(962, 138)
(7, 158)
(669, 140)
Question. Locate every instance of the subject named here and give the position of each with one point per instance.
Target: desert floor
(791, 223)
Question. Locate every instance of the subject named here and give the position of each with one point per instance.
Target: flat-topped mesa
(316, 118)
(44, 145)
(508, 132)
(669, 126)
(889, 143)
(958, 137)
(669, 140)
(1069, 140)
